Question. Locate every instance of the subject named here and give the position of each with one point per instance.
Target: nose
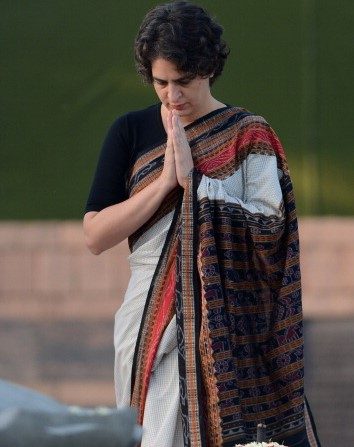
(174, 93)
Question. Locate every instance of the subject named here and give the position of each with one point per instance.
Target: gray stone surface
(16, 396)
(30, 419)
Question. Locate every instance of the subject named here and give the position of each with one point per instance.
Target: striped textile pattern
(232, 277)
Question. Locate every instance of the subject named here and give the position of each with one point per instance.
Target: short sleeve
(109, 182)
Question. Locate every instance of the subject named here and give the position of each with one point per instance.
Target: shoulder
(247, 119)
(255, 134)
(148, 113)
(136, 118)
(139, 127)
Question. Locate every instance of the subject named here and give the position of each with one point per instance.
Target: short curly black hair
(184, 34)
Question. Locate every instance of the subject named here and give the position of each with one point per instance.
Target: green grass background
(67, 71)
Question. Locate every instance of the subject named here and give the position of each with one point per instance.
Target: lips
(177, 106)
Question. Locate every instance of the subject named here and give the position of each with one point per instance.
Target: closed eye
(184, 82)
(160, 82)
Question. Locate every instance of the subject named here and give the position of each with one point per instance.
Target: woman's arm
(108, 227)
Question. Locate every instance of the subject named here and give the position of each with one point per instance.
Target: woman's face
(190, 97)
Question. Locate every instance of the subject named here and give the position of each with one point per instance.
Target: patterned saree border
(295, 389)
(221, 166)
(149, 166)
(188, 318)
(237, 292)
(158, 311)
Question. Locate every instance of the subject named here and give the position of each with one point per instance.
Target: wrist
(163, 186)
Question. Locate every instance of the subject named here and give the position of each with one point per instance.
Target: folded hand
(182, 151)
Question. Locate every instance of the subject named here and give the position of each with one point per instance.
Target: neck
(210, 106)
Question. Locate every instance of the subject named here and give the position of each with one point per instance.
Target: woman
(208, 339)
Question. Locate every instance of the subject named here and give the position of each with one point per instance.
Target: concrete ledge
(327, 259)
(77, 392)
(47, 272)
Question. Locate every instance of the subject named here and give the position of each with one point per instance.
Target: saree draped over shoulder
(209, 339)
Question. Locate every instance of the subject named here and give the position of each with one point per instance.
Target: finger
(169, 121)
(177, 129)
(169, 129)
(178, 126)
(180, 140)
(177, 118)
(176, 122)
(169, 146)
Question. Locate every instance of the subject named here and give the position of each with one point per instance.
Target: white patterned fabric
(162, 423)
(255, 186)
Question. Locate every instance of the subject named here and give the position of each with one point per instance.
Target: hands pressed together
(178, 157)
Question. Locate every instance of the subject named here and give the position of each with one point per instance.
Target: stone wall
(57, 305)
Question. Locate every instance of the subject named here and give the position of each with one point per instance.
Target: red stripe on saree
(163, 317)
(237, 305)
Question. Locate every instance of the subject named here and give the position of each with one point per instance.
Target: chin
(184, 112)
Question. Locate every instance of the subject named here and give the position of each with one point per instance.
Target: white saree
(204, 356)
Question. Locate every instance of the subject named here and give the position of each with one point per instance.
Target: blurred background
(67, 72)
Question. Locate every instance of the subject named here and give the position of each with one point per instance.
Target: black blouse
(129, 135)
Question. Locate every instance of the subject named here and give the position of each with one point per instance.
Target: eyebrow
(182, 79)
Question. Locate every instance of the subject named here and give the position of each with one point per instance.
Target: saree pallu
(229, 278)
